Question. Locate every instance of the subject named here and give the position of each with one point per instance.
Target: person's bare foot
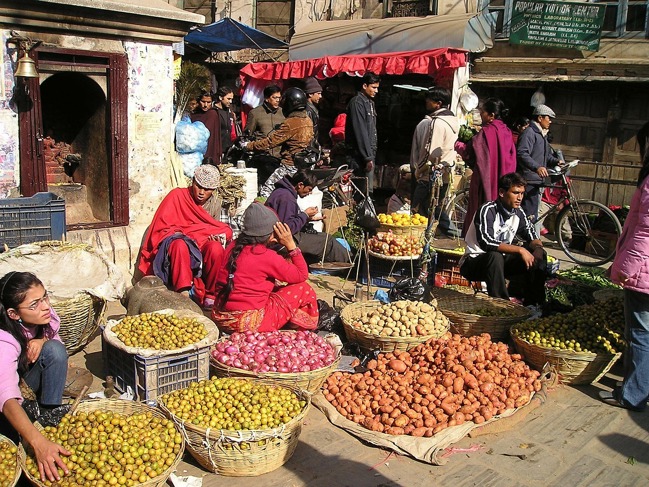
(184, 293)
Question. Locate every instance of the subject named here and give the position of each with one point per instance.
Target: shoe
(515, 300)
(609, 398)
(544, 231)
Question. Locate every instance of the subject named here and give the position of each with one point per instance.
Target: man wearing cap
(533, 155)
(184, 245)
(313, 92)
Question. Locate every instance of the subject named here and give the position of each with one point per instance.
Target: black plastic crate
(151, 377)
(32, 219)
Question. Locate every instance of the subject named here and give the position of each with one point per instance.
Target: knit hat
(207, 176)
(543, 110)
(258, 220)
(312, 86)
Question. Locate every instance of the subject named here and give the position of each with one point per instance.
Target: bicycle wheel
(456, 209)
(588, 232)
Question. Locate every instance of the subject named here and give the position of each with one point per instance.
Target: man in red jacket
(184, 245)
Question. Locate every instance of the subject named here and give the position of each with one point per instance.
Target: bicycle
(587, 231)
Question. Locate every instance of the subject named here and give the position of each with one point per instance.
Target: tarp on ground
(229, 35)
(473, 32)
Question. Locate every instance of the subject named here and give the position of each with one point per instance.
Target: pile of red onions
(276, 351)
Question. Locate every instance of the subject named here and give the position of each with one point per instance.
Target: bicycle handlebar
(563, 168)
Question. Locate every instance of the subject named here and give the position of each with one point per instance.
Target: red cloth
(495, 155)
(337, 132)
(295, 304)
(555, 193)
(212, 121)
(434, 62)
(257, 270)
(178, 212)
(182, 276)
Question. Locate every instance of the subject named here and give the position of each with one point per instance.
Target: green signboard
(570, 25)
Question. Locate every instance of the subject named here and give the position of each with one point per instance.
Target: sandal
(609, 398)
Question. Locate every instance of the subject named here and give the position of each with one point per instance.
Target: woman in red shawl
(493, 152)
(184, 245)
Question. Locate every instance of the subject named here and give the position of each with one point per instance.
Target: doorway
(74, 135)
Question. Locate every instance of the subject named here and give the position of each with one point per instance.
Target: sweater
(258, 269)
(10, 352)
(631, 266)
(283, 200)
(434, 141)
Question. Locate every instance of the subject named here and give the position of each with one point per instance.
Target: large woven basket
(18, 471)
(81, 317)
(415, 230)
(305, 381)
(369, 342)
(393, 257)
(572, 367)
(116, 406)
(459, 306)
(245, 453)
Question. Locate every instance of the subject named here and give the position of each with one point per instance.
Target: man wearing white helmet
(533, 156)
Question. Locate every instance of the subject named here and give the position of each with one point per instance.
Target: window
(622, 18)
(275, 18)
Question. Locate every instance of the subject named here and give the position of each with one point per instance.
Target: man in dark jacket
(267, 117)
(533, 156)
(315, 246)
(313, 92)
(360, 127)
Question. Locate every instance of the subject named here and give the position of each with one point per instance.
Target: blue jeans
(635, 387)
(48, 374)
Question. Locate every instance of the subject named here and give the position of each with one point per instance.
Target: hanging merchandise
(538, 98)
(468, 99)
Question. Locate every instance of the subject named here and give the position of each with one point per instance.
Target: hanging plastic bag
(366, 216)
(468, 99)
(410, 288)
(329, 319)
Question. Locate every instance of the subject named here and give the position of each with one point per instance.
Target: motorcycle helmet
(292, 100)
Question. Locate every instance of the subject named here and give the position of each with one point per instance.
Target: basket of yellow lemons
(403, 223)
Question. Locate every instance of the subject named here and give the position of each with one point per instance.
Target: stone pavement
(572, 440)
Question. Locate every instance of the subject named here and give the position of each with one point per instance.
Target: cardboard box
(334, 218)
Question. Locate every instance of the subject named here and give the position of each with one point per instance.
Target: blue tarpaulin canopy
(230, 35)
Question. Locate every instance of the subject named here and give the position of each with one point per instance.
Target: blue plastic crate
(31, 219)
(384, 272)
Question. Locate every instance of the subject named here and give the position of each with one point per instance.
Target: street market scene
(382, 243)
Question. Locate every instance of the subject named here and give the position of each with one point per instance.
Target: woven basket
(305, 381)
(18, 469)
(606, 294)
(369, 342)
(572, 367)
(116, 406)
(459, 306)
(415, 230)
(81, 317)
(245, 453)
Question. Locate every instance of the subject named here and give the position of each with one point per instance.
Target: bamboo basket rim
(393, 257)
(377, 338)
(19, 469)
(280, 377)
(239, 436)
(565, 354)
(453, 305)
(119, 406)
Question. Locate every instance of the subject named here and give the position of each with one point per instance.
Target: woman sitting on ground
(31, 349)
(248, 297)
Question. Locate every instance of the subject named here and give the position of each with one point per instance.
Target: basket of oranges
(403, 224)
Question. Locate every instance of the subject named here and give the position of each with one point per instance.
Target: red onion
(277, 351)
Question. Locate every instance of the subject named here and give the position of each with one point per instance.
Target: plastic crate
(384, 272)
(446, 265)
(32, 219)
(151, 377)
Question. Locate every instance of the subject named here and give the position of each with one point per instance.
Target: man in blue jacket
(314, 245)
(533, 156)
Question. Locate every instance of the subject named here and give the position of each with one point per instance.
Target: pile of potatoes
(403, 319)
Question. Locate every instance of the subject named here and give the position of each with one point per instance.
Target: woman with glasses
(30, 349)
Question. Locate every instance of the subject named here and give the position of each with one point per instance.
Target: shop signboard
(569, 25)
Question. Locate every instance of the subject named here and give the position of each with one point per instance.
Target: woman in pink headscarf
(493, 154)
